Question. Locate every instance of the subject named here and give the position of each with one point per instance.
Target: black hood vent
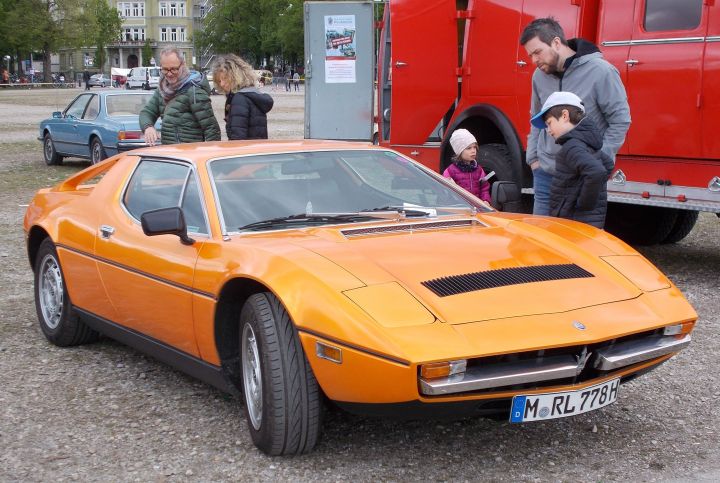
(470, 282)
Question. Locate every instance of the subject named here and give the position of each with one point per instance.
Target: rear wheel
(640, 225)
(60, 324)
(97, 151)
(51, 156)
(684, 224)
(282, 398)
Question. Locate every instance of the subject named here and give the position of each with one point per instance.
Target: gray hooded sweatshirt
(598, 84)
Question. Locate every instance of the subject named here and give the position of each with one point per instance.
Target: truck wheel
(496, 157)
(283, 403)
(58, 321)
(684, 224)
(638, 224)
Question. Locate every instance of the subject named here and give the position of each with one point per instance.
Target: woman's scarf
(466, 167)
(169, 91)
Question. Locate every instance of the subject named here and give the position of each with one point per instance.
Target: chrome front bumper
(501, 375)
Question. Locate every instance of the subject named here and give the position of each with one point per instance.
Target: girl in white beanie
(465, 170)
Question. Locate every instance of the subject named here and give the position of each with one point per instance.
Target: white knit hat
(461, 139)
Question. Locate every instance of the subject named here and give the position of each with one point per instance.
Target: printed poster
(340, 49)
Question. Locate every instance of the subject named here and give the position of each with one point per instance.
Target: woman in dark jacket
(246, 107)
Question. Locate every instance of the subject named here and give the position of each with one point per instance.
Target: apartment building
(162, 23)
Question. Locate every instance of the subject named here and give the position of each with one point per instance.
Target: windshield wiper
(419, 211)
(307, 218)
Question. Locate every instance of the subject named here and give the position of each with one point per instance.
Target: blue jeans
(541, 185)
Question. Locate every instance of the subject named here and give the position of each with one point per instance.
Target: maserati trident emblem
(578, 325)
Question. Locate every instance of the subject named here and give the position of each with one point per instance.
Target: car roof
(201, 152)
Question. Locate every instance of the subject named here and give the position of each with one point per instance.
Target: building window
(172, 34)
(131, 9)
(172, 9)
(133, 33)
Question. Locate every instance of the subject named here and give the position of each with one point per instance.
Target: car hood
(493, 271)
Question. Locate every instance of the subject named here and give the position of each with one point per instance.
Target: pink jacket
(470, 180)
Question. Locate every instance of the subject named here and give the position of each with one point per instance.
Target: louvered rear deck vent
(352, 232)
(470, 282)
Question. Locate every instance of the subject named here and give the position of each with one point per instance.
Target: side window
(155, 184)
(192, 207)
(672, 15)
(93, 108)
(77, 108)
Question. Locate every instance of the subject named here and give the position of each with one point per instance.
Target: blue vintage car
(95, 126)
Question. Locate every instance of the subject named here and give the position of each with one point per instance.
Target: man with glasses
(182, 100)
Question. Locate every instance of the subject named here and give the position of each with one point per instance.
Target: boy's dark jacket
(246, 114)
(579, 190)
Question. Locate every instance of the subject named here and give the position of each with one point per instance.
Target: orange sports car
(301, 272)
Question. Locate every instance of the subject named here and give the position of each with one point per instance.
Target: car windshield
(276, 190)
(126, 104)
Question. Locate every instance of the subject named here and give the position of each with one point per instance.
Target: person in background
(182, 100)
(86, 79)
(246, 107)
(465, 171)
(296, 80)
(577, 66)
(579, 186)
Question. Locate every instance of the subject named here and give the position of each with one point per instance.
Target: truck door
(664, 78)
(711, 85)
(424, 59)
(613, 38)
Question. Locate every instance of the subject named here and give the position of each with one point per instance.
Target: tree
(147, 53)
(107, 29)
(291, 32)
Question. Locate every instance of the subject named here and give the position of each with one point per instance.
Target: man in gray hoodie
(574, 65)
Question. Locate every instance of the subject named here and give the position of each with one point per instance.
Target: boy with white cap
(579, 185)
(465, 170)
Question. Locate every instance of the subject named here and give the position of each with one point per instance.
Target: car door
(65, 134)
(149, 279)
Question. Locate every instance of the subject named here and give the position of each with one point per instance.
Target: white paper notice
(340, 49)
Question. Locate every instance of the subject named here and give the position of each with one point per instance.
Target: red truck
(446, 64)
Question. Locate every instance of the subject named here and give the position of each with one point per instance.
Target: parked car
(143, 78)
(294, 271)
(94, 126)
(99, 80)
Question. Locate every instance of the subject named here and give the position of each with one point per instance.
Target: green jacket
(186, 118)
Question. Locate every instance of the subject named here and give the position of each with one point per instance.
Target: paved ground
(103, 412)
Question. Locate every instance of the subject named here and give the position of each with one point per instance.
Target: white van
(143, 78)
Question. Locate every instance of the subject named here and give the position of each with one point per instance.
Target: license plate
(539, 407)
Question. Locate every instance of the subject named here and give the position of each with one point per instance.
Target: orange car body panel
(343, 291)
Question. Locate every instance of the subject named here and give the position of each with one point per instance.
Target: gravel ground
(104, 412)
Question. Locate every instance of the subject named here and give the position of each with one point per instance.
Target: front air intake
(470, 282)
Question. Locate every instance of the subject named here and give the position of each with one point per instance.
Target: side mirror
(506, 196)
(166, 221)
(57, 115)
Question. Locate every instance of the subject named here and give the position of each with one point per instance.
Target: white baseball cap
(560, 98)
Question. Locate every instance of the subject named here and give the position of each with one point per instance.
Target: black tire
(58, 321)
(97, 151)
(496, 157)
(283, 404)
(49, 153)
(684, 224)
(638, 224)
(146, 86)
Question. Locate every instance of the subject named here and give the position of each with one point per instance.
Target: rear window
(154, 72)
(126, 104)
(672, 15)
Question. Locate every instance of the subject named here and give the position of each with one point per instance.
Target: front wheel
(97, 151)
(60, 324)
(282, 397)
(49, 152)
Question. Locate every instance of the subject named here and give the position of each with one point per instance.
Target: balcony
(132, 43)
